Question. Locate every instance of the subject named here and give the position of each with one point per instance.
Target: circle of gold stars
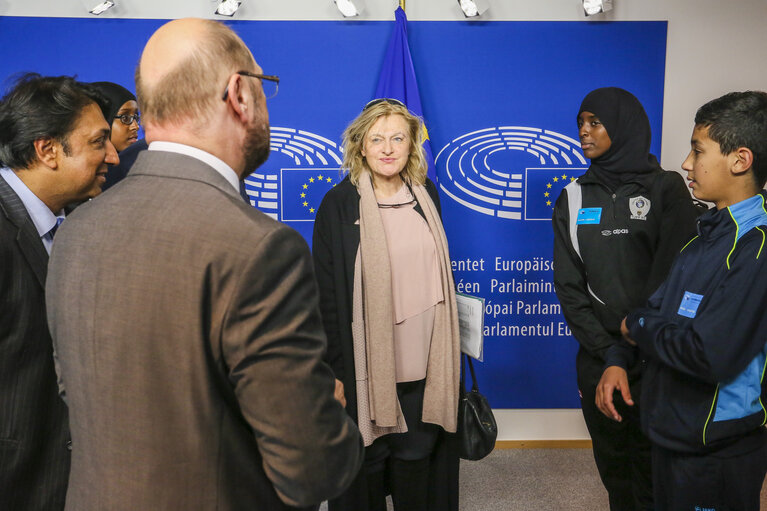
(319, 179)
(547, 193)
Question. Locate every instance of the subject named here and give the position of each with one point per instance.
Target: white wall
(714, 46)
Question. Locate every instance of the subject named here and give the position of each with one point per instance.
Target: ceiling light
(472, 8)
(592, 7)
(347, 8)
(103, 6)
(227, 7)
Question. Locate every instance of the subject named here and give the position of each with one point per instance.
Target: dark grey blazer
(193, 370)
(34, 459)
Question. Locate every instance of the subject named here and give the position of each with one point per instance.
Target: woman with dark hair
(388, 306)
(124, 119)
(123, 115)
(617, 229)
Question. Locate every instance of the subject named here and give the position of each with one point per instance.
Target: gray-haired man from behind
(193, 370)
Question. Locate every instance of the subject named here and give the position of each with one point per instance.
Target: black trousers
(692, 482)
(399, 462)
(621, 451)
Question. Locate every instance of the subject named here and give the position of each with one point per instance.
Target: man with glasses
(194, 376)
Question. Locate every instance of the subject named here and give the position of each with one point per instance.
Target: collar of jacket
(715, 223)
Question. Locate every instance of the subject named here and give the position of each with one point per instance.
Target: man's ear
(47, 151)
(236, 97)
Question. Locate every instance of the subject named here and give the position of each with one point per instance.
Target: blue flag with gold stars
(543, 188)
(397, 80)
(303, 190)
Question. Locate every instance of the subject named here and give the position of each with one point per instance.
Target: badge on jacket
(589, 216)
(639, 207)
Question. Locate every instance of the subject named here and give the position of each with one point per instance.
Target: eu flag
(543, 186)
(397, 80)
(303, 190)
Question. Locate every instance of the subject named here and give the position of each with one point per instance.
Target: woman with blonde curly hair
(388, 307)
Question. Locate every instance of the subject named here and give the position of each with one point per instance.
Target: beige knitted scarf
(378, 411)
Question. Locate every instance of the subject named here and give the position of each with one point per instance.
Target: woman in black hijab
(616, 114)
(617, 229)
(123, 114)
(123, 118)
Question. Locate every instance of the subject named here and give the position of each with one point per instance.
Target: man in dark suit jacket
(194, 372)
(55, 145)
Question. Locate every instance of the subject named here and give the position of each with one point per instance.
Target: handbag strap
(474, 386)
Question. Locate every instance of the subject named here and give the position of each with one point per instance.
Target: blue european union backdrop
(303, 190)
(543, 188)
(500, 100)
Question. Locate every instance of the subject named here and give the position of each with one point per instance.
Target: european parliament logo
(301, 168)
(509, 172)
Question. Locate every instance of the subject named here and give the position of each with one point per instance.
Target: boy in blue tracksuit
(704, 332)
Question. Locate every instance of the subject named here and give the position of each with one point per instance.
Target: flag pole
(402, 4)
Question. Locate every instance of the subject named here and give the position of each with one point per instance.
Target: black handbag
(477, 429)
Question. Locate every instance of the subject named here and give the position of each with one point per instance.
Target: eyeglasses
(378, 101)
(128, 119)
(269, 84)
(401, 204)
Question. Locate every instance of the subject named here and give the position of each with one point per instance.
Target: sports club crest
(639, 207)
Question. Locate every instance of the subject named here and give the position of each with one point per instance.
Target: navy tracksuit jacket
(704, 335)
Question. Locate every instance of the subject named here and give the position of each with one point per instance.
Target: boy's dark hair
(739, 119)
(39, 107)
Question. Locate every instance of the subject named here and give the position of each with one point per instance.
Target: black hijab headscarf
(627, 125)
(117, 96)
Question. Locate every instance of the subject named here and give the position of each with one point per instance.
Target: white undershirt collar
(221, 167)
